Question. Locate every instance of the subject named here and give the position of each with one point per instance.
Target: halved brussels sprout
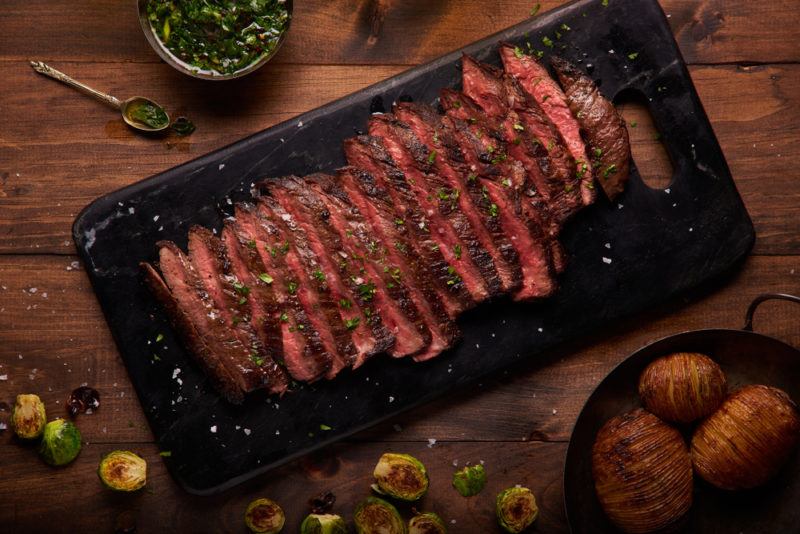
(123, 471)
(401, 476)
(323, 524)
(470, 480)
(376, 516)
(61, 442)
(264, 516)
(427, 523)
(516, 509)
(28, 416)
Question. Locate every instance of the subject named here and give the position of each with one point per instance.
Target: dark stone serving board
(662, 242)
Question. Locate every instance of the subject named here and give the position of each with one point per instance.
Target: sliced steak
(368, 333)
(309, 283)
(449, 225)
(378, 206)
(504, 182)
(536, 81)
(378, 282)
(259, 308)
(604, 128)
(230, 295)
(369, 154)
(305, 356)
(450, 164)
(199, 331)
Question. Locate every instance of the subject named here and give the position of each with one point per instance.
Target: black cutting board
(661, 242)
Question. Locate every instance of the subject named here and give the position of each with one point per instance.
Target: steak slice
(377, 206)
(369, 154)
(305, 357)
(377, 280)
(536, 81)
(450, 226)
(368, 333)
(309, 283)
(531, 138)
(449, 163)
(260, 309)
(504, 182)
(604, 128)
(230, 295)
(199, 331)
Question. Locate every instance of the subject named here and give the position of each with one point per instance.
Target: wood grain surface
(59, 151)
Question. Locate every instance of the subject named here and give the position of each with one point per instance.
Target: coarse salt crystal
(431, 442)
(221, 166)
(606, 260)
(3, 377)
(247, 431)
(213, 429)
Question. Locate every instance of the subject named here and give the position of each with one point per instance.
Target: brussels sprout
(516, 509)
(376, 516)
(264, 516)
(61, 442)
(401, 476)
(470, 480)
(427, 523)
(323, 524)
(28, 416)
(123, 471)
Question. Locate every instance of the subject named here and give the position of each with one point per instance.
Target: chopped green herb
(241, 288)
(493, 210)
(517, 140)
(634, 124)
(431, 157)
(401, 247)
(472, 177)
(325, 427)
(611, 169)
(545, 97)
(565, 27)
(499, 159)
(490, 149)
(518, 127)
(457, 251)
(435, 138)
(159, 338)
(256, 359)
(165, 454)
(351, 324)
(657, 137)
(535, 9)
(558, 34)
(604, 3)
(264, 277)
(251, 243)
(346, 304)
(456, 104)
(547, 41)
(454, 278)
(291, 287)
(597, 152)
(367, 290)
(506, 182)
(318, 275)
(633, 55)
(518, 52)
(284, 318)
(399, 222)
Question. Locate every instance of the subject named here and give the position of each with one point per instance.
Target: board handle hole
(649, 153)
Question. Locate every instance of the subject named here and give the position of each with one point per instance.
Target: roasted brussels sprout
(747, 440)
(401, 476)
(470, 480)
(123, 471)
(264, 516)
(28, 417)
(642, 472)
(61, 442)
(376, 516)
(516, 509)
(682, 387)
(427, 523)
(323, 524)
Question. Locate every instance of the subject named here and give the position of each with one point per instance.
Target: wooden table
(59, 151)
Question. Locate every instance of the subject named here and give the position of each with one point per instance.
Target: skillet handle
(751, 310)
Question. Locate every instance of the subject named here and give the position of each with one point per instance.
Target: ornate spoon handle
(47, 70)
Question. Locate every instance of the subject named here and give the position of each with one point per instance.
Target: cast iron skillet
(747, 358)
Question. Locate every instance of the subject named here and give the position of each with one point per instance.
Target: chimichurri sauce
(147, 114)
(221, 36)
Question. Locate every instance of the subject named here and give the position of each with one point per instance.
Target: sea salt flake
(667, 190)
(221, 166)
(606, 260)
(391, 399)
(555, 411)
(247, 431)
(131, 210)
(156, 217)
(176, 372)
(213, 429)
(4, 377)
(431, 442)
(608, 245)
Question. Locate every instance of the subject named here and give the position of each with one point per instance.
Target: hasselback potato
(747, 440)
(682, 387)
(642, 472)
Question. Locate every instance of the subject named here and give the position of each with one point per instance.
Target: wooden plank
(71, 499)
(48, 174)
(324, 32)
(63, 340)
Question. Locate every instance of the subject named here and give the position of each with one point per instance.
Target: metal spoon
(127, 107)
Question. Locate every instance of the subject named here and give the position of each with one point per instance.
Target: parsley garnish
(319, 275)
(351, 324)
(633, 55)
(346, 304)
(264, 277)
(251, 243)
(366, 291)
(325, 427)
(159, 338)
(431, 157)
(547, 41)
(291, 287)
(518, 52)
(611, 169)
(493, 210)
(518, 127)
(256, 359)
(535, 9)
(457, 251)
(284, 317)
